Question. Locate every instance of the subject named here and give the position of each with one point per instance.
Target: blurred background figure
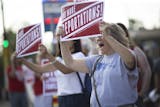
(143, 68)
(44, 99)
(17, 93)
(29, 81)
(37, 87)
(154, 95)
(69, 95)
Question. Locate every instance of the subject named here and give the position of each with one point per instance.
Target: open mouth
(100, 45)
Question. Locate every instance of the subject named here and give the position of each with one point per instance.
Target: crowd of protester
(121, 73)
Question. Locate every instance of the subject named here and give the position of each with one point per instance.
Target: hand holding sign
(42, 49)
(45, 54)
(103, 27)
(59, 32)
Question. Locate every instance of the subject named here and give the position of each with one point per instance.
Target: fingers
(105, 28)
(60, 32)
(103, 25)
(20, 59)
(42, 48)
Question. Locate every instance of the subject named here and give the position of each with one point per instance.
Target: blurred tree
(11, 37)
(1, 77)
(135, 24)
(8, 47)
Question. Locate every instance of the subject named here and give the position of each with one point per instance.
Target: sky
(18, 13)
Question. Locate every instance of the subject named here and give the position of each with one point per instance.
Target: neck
(108, 52)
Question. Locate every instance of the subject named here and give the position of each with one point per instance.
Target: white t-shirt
(28, 75)
(116, 85)
(49, 81)
(69, 83)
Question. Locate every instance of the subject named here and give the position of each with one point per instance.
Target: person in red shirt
(16, 88)
(37, 87)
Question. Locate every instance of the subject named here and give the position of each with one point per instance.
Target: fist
(42, 49)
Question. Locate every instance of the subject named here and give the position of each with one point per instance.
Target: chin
(101, 52)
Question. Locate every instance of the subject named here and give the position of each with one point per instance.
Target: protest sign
(49, 82)
(28, 40)
(81, 19)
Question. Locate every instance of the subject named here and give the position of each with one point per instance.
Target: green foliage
(11, 37)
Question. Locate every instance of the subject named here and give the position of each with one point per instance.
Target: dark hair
(124, 28)
(131, 43)
(77, 46)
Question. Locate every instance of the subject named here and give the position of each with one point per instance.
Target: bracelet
(53, 62)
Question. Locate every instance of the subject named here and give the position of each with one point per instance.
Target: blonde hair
(118, 33)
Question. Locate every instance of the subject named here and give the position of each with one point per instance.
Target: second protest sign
(81, 19)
